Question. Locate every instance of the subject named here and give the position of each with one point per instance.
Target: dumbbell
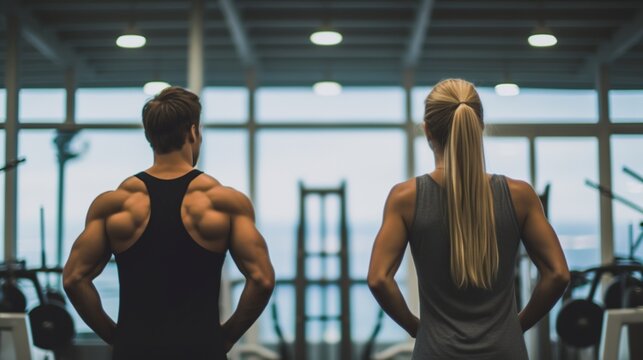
(614, 298)
(11, 298)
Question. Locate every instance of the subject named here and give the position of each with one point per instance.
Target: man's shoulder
(112, 201)
(223, 198)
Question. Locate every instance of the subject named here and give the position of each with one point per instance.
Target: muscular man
(169, 228)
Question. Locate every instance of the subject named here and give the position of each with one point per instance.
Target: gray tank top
(468, 323)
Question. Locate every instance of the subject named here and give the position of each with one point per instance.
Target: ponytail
(474, 251)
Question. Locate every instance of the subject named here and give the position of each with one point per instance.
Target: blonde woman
(464, 227)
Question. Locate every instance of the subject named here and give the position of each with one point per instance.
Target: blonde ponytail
(474, 251)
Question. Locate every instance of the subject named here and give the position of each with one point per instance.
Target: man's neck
(173, 162)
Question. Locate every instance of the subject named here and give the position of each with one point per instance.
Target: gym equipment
(633, 297)
(579, 322)
(614, 298)
(633, 244)
(12, 164)
(12, 300)
(611, 332)
(50, 293)
(303, 283)
(283, 346)
(52, 327)
(64, 153)
(370, 344)
(20, 346)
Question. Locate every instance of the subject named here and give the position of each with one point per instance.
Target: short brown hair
(168, 117)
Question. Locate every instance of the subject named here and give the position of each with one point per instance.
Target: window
(530, 106)
(225, 104)
(2, 156)
(224, 155)
(626, 152)
(507, 156)
(540, 106)
(418, 95)
(42, 105)
(573, 206)
(113, 105)
(37, 187)
(625, 105)
(355, 104)
(371, 162)
(3, 105)
(107, 158)
(424, 160)
(504, 155)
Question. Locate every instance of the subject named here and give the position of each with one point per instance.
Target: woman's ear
(428, 134)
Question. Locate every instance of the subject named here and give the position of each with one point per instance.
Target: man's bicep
(248, 248)
(90, 252)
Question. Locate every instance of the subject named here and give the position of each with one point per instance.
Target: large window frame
(602, 130)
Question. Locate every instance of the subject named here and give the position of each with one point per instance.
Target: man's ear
(193, 135)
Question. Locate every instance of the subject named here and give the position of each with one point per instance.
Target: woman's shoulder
(523, 196)
(404, 191)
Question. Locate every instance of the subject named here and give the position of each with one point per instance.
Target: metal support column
(195, 47)
(252, 335)
(12, 61)
(62, 141)
(605, 163)
(411, 278)
(251, 84)
(303, 282)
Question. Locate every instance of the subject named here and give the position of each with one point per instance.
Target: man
(169, 228)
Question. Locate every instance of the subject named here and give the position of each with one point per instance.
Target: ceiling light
(542, 37)
(326, 38)
(131, 38)
(327, 88)
(154, 87)
(507, 89)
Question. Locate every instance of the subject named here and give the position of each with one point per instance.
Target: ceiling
(480, 40)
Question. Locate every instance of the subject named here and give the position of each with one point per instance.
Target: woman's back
(468, 322)
(464, 228)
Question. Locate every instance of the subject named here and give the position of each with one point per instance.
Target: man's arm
(89, 255)
(388, 251)
(250, 254)
(544, 250)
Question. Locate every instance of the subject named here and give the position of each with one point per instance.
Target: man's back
(170, 228)
(167, 250)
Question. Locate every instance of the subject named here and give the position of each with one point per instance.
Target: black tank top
(169, 285)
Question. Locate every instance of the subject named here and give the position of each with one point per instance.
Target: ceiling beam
(46, 42)
(238, 33)
(623, 40)
(418, 33)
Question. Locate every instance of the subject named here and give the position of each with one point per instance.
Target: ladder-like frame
(302, 282)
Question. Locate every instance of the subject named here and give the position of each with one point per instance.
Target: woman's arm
(544, 249)
(388, 251)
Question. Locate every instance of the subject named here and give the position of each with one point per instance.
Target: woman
(464, 227)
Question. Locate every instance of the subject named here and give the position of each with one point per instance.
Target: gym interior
(313, 108)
